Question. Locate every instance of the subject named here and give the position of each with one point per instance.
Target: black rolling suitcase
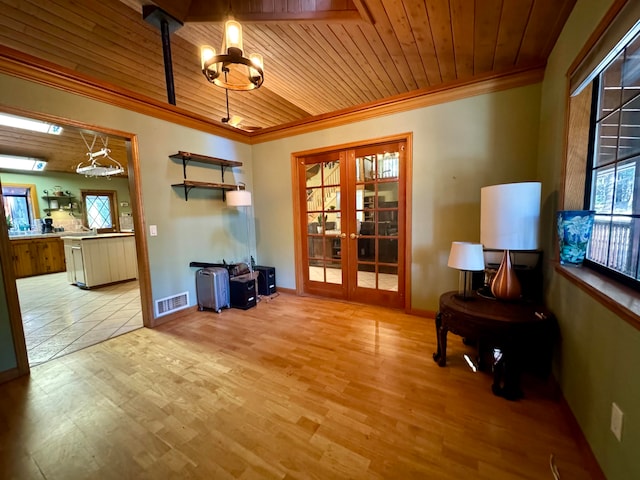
(212, 288)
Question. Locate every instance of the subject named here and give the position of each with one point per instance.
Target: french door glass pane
(377, 220)
(323, 221)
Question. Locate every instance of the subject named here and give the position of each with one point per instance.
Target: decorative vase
(574, 232)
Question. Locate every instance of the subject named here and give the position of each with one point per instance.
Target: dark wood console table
(522, 332)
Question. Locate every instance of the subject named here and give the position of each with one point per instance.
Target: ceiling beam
(268, 12)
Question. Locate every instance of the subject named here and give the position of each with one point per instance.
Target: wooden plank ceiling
(320, 56)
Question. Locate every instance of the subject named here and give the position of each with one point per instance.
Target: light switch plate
(153, 230)
(616, 421)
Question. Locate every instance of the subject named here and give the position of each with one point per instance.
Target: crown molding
(27, 67)
(401, 103)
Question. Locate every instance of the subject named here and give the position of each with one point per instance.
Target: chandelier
(230, 69)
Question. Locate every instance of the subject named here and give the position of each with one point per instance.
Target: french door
(352, 221)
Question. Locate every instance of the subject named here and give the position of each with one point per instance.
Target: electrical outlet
(616, 421)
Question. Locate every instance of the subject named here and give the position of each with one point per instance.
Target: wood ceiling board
(515, 16)
(317, 87)
(419, 21)
(391, 46)
(405, 35)
(384, 61)
(440, 20)
(462, 16)
(543, 14)
(311, 68)
(486, 26)
(62, 152)
(372, 78)
(343, 64)
(273, 11)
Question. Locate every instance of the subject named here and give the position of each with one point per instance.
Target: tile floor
(60, 318)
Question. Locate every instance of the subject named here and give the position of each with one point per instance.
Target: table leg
(506, 375)
(440, 356)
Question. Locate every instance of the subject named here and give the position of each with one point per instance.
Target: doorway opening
(49, 316)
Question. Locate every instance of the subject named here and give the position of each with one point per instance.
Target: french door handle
(353, 235)
(343, 235)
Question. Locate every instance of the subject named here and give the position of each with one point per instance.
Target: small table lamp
(509, 218)
(466, 257)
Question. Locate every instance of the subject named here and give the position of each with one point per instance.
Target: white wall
(458, 147)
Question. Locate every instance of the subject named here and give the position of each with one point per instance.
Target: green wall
(458, 147)
(200, 229)
(599, 353)
(71, 182)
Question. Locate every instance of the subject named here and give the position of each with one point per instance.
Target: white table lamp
(509, 220)
(466, 257)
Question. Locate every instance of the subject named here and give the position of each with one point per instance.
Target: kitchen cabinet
(100, 259)
(37, 256)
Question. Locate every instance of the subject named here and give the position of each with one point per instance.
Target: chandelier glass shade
(230, 69)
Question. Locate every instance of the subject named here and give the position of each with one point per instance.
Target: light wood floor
(294, 388)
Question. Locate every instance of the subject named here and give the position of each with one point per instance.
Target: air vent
(174, 303)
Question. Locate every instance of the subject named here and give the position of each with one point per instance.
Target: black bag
(237, 269)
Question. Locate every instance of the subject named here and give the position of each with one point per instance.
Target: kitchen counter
(94, 260)
(62, 235)
(98, 236)
(29, 236)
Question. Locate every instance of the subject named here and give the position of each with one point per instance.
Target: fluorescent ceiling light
(7, 120)
(13, 162)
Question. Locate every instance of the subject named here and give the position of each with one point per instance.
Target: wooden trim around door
(407, 138)
(13, 305)
(144, 275)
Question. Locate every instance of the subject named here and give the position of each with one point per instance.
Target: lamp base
(465, 287)
(506, 285)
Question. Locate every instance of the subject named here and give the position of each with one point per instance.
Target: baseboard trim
(10, 374)
(292, 291)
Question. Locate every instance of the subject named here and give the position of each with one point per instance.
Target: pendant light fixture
(230, 69)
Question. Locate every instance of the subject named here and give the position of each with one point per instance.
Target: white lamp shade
(466, 256)
(510, 216)
(238, 198)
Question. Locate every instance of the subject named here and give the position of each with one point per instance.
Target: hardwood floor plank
(294, 388)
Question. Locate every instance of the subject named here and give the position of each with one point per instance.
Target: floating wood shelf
(189, 184)
(186, 157)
